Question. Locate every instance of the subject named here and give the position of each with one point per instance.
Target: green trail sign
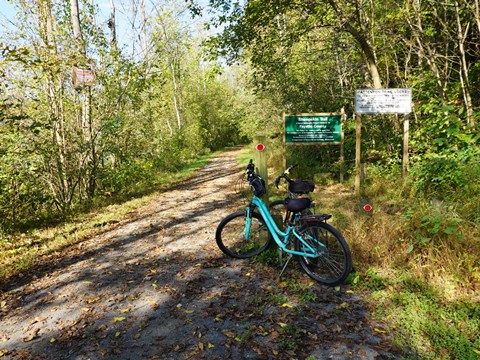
(313, 128)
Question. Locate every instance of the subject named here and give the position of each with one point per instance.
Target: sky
(123, 17)
(7, 11)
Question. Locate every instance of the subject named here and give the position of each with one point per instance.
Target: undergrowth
(416, 256)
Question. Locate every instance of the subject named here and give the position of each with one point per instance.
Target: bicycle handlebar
(290, 168)
(285, 175)
(250, 167)
(256, 182)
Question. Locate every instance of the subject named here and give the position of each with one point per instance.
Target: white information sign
(383, 101)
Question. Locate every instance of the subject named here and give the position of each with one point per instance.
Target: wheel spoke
(333, 262)
(230, 236)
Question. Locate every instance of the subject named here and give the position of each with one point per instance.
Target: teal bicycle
(321, 250)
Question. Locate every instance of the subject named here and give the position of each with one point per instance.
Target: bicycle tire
(230, 236)
(334, 262)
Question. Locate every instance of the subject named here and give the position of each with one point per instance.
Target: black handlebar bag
(301, 186)
(258, 186)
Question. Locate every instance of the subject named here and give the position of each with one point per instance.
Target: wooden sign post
(406, 125)
(381, 101)
(261, 159)
(358, 142)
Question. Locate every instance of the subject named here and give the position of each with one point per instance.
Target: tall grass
(416, 254)
(417, 258)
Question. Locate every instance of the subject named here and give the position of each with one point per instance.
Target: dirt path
(157, 287)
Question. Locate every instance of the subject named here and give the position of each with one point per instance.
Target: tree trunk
(461, 36)
(369, 55)
(77, 31)
(113, 27)
(143, 31)
(425, 52)
(175, 96)
(362, 40)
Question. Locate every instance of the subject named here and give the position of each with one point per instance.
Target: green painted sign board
(313, 128)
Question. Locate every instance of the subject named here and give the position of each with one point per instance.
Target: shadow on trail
(200, 309)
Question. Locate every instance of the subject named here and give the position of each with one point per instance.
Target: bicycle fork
(248, 222)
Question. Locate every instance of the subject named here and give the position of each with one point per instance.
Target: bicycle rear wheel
(231, 239)
(334, 261)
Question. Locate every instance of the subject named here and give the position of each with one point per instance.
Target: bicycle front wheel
(334, 261)
(235, 240)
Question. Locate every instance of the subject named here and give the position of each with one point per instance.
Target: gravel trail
(156, 286)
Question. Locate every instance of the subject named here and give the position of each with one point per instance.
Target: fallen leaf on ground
(228, 333)
(102, 327)
(33, 335)
(118, 318)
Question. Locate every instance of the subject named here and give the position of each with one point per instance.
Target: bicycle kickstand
(280, 257)
(286, 263)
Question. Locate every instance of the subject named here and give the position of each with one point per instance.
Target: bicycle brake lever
(277, 181)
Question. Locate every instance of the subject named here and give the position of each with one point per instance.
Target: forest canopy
(196, 77)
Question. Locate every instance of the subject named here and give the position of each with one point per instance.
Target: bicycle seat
(298, 204)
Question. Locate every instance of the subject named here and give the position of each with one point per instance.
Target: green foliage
(61, 147)
(269, 256)
(436, 326)
(432, 224)
(446, 161)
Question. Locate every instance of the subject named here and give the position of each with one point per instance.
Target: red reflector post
(368, 208)
(260, 147)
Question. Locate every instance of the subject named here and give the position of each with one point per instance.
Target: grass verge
(20, 253)
(418, 265)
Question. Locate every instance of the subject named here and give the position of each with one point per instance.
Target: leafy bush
(439, 174)
(431, 223)
(446, 159)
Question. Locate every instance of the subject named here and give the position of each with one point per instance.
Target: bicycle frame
(280, 237)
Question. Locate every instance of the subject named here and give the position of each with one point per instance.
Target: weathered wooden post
(261, 159)
(406, 126)
(342, 144)
(358, 141)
